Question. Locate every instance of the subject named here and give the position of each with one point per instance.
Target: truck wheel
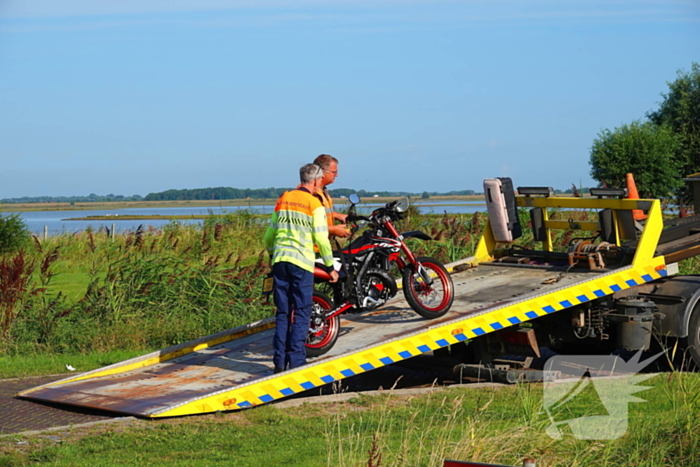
(693, 344)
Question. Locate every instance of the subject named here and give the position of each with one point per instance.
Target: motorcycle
(366, 282)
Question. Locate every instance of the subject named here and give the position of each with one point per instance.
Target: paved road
(17, 415)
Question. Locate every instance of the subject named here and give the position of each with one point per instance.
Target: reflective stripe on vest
(297, 223)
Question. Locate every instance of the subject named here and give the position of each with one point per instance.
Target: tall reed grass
(148, 288)
(151, 288)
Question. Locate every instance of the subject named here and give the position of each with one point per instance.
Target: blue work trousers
(293, 293)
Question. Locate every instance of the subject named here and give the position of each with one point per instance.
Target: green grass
(499, 425)
(18, 366)
(73, 283)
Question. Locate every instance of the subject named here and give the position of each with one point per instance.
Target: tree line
(216, 194)
(222, 193)
(660, 149)
(226, 193)
(91, 198)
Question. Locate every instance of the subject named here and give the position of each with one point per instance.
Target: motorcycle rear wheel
(322, 337)
(429, 301)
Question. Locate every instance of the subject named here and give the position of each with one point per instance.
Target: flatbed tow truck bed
(233, 369)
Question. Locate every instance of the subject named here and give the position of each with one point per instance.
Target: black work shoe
(278, 370)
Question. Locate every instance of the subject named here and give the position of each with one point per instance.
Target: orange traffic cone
(632, 193)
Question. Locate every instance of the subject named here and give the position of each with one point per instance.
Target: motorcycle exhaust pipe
(371, 301)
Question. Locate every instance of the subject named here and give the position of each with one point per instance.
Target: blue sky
(132, 97)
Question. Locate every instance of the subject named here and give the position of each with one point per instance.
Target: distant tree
(647, 150)
(459, 193)
(680, 110)
(425, 195)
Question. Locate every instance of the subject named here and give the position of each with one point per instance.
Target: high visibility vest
(299, 222)
(327, 203)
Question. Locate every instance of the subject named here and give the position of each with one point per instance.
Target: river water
(56, 221)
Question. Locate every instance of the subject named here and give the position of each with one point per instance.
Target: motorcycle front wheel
(428, 300)
(323, 332)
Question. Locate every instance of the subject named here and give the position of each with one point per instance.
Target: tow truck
(613, 288)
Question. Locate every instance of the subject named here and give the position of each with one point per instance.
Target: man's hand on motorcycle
(334, 276)
(340, 230)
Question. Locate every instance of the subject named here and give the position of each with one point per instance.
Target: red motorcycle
(365, 281)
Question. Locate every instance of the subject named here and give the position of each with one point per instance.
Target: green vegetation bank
(87, 293)
(660, 150)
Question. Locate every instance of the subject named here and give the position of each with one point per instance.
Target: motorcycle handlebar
(354, 218)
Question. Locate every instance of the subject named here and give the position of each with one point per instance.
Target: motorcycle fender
(417, 234)
(321, 274)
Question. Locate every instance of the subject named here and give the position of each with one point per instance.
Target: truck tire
(693, 343)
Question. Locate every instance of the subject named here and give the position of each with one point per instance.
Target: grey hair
(310, 172)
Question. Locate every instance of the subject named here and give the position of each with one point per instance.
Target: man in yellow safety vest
(298, 222)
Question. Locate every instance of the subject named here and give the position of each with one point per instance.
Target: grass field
(39, 364)
(493, 425)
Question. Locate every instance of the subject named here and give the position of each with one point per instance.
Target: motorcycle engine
(378, 287)
(375, 291)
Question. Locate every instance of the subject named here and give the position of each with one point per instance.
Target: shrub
(14, 233)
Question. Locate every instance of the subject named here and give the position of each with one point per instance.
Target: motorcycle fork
(412, 261)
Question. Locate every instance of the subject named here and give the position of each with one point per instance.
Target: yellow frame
(645, 248)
